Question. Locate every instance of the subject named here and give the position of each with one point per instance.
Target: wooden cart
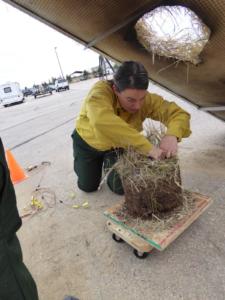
(143, 240)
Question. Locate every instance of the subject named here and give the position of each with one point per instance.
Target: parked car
(41, 90)
(61, 84)
(52, 87)
(11, 93)
(27, 92)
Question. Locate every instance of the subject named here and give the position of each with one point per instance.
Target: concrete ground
(70, 251)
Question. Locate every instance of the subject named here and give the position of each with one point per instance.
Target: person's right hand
(156, 153)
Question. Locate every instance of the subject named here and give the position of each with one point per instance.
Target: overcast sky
(27, 52)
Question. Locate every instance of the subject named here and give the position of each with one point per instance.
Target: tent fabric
(203, 85)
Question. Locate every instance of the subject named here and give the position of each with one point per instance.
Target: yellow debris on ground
(72, 195)
(84, 205)
(36, 203)
(76, 206)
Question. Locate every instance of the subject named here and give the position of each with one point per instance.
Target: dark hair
(131, 75)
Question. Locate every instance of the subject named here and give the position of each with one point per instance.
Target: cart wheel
(139, 254)
(117, 239)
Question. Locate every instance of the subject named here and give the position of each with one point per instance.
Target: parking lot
(70, 251)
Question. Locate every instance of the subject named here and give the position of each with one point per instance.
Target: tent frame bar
(115, 28)
(213, 108)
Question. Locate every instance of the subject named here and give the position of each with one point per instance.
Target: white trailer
(11, 93)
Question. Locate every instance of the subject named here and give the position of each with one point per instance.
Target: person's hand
(169, 146)
(155, 153)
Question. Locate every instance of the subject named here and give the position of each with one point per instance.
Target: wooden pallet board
(159, 239)
(132, 239)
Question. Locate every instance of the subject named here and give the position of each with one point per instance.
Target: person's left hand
(169, 145)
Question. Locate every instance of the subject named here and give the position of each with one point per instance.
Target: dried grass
(158, 221)
(182, 43)
(150, 186)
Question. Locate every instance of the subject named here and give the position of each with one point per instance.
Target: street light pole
(59, 62)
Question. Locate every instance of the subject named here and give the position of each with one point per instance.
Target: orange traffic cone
(16, 172)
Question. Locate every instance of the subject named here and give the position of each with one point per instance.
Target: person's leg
(87, 164)
(15, 280)
(114, 182)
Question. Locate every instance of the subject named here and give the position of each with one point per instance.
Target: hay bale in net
(149, 186)
(173, 31)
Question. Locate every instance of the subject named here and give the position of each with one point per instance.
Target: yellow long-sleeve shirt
(104, 124)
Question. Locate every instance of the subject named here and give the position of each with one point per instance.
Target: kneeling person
(111, 118)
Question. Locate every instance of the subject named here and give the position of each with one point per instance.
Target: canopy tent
(107, 27)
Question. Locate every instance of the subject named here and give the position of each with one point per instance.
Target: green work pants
(16, 283)
(88, 164)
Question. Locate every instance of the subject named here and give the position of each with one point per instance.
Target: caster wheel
(140, 255)
(117, 239)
